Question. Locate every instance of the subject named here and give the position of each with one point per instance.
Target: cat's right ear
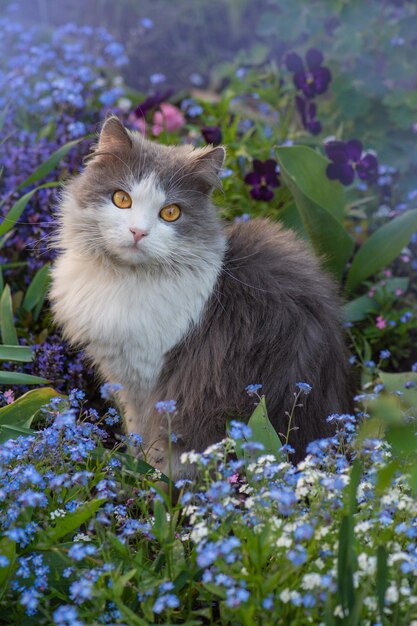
(113, 138)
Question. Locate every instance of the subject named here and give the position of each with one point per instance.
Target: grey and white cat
(172, 304)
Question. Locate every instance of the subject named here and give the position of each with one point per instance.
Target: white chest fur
(129, 320)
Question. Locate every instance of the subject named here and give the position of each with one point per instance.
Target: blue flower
(305, 388)
(240, 430)
(298, 556)
(4, 561)
(166, 406)
(109, 389)
(169, 601)
(81, 590)
(80, 550)
(252, 390)
(66, 615)
(384, 354)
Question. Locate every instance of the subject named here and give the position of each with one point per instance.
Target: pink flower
(168, 118)
(372, 292)
(399, 291)
(9, 396)
(234, 478)
(138, 123)
(387, 273)
(380, 322)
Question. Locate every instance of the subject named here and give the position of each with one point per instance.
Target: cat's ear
(207, 163)
(113, 136)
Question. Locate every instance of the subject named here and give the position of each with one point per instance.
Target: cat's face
(138, 202)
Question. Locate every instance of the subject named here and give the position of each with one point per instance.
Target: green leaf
(345, 587)
(7, 549)
(19, 206)
(17, 378)
(359, 308)
(50, 163)
(307, 169)
(160, 527)
(23, 354)
(263, 431)
(320, 204)
(385, 475)
(13, 432)
(382, 247)
(72, 521)
(8, 331)
(22, 411)
(381, 578)
(37, 289)
(397, 382)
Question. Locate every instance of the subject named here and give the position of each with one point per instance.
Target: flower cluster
(311, 82)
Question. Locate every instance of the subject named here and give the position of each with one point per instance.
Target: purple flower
(348, 158)
(151, 102)
(308, 111)
(212, 134)
(263, 178)
(313, 81)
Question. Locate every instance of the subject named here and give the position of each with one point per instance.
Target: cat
(170, 303)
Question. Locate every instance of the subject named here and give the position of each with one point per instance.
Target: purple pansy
(152, 101)
(347, 157)
(212, 134)
(308, 112)
(263, 179)
(313, 81)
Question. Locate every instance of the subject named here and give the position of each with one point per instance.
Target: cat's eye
(170, 213)
(122, 199)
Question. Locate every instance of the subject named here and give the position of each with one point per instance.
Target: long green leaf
(50, 163)
(22, 354)
(263, 432)
(308, 170)
(18, 378)
(381, 578)
(22, 411)
(7, 549)
(37, 289)
(13, 432)
(405, 382)
(19, 206)
(321, 221)
(72, 521)
(382, 247)
(8, 331)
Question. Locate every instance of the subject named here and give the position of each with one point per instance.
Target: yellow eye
(122, 199)
(170, 213)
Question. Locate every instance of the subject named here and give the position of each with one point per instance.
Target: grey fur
(273, 316)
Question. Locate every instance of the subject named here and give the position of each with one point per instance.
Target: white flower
(285, 596)
(199, 531)
(367, 563)
(189, 457)
(338, 611)
(391, 594)
(371, 603)
(81, 537)
(57, 513)
(124, 104)
(311, 581)
(284, 542)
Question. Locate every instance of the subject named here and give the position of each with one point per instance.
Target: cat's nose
(138, 233)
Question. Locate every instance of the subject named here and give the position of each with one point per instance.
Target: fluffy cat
(172, 304)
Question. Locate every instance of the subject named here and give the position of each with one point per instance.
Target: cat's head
(139, 202)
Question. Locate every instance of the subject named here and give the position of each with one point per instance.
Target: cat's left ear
(114, 136)
(207, 163)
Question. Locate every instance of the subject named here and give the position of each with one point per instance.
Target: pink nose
(138, 233)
